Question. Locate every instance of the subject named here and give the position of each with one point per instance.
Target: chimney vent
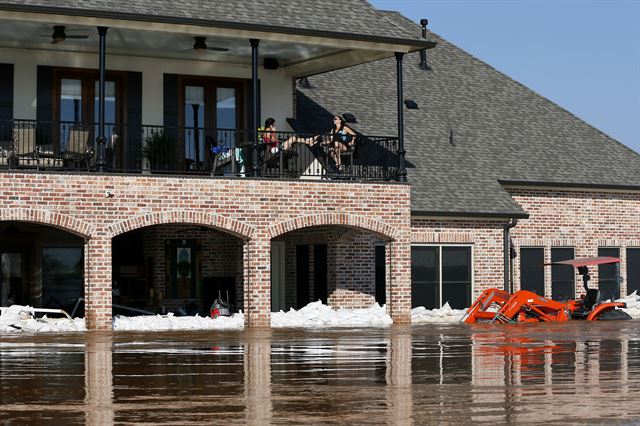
(423, 53)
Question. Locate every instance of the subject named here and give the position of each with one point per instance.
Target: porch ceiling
(299, 54)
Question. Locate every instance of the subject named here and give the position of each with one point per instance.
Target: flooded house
(138, 175)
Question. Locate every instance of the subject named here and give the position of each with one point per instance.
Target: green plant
(159, 149)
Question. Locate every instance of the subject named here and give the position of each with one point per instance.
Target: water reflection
(422, 374)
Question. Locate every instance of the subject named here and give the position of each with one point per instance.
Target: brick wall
(486, 237)
(584, 220)
(100, 207)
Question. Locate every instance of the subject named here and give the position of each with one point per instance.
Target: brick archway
(353, 221)
(232, 226)
(46, 217)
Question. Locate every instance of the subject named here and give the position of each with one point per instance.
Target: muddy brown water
(423, 374)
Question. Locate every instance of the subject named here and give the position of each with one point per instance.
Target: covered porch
(115, 92)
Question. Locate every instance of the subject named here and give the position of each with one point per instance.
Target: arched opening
(176, 267)
(41, 266)
(342, 266)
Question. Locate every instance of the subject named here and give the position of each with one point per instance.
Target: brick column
(257, 255)
(400, 280)
(97, 283)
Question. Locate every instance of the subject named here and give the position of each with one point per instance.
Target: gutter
(479, 215)
(413, 44)
(569, 185)
(508, 267)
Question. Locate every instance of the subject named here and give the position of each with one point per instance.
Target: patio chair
(25, 151)
(78, 150)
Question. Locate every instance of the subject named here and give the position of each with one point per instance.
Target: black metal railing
(201, 151)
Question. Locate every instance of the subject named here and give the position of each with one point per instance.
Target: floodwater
(568, 373)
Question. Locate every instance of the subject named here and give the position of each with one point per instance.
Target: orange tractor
(498, 306)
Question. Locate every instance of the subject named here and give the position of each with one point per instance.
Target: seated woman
(342, 138)
(269, 136)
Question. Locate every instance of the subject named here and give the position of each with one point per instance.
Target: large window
(441, 274)
(532, 269)
(62, 276)
(562, 276)
(608, 274)
(633, 270)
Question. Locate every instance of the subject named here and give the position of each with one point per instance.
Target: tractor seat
(590, 299)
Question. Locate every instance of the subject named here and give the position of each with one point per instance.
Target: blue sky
(583, 55)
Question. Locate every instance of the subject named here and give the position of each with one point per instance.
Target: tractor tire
(613, 315)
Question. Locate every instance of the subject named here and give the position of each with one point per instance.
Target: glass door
(211, 114)
(11, 278)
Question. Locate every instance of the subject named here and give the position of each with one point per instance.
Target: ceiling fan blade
(78, 36)
(218, 49)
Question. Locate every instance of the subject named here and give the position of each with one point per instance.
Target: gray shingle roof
(502, 130)
(345, 16)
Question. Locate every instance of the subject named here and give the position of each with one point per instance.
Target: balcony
(165, 150)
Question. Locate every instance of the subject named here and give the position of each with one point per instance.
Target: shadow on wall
(313, 118)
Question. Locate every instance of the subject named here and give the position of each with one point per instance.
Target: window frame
(439, 246)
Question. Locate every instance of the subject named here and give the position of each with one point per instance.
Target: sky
(584, 55)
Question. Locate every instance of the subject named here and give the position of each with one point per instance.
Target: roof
(348, 17)
(502, 131)
(587, 261)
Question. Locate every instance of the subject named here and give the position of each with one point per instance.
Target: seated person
(342, 138)
(270, 138)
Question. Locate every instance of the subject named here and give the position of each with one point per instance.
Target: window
(562, 276)
(633, 270)
(608, 274)
(62, 276)
(532, 270)
(441, 274)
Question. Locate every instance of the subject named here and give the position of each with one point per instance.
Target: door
(210, 116)
(12, 277)
(76, 107)
(277, 276)
(320, 286)
(381, 274)
(302, 276)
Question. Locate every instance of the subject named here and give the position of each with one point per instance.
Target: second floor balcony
(178, 150)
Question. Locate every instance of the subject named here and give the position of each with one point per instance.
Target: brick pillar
(257, 255)
(97, 283)
(400, 281)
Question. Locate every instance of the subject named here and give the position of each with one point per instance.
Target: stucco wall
(276, 88)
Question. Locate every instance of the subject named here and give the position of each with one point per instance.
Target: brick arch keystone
(232, 226)
(353, 221)
(47, 217)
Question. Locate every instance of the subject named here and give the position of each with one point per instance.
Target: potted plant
(159, 149)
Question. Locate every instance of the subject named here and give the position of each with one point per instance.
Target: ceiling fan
(59, 35)
(200, 45)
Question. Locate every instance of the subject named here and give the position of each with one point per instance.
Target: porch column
(402, 171)
(97, 283)
(400, 280)
(257, 277)
(100, 140)
(255, 120)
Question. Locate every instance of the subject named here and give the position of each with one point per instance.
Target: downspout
(507, 253)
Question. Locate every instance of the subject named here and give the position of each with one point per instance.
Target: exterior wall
(276, 88)
(584, 220)
(485, 236)
(100, 207)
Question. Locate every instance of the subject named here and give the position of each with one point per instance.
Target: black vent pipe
(423, 53)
